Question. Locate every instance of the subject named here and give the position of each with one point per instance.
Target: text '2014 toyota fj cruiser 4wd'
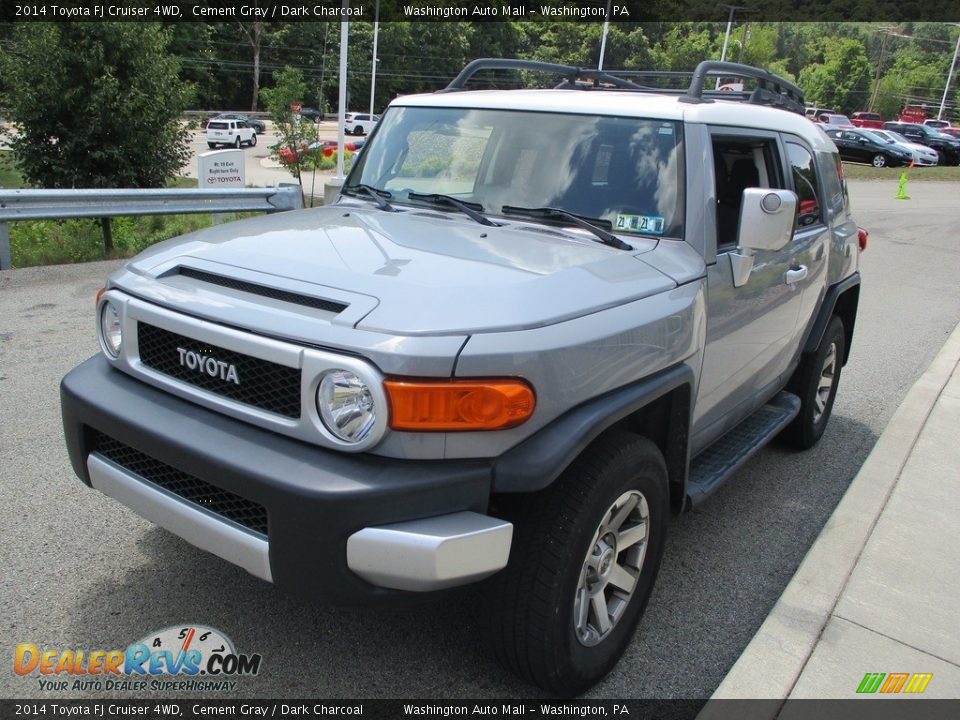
(534, 324)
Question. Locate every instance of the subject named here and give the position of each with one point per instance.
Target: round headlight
(346, 406)
(110, 331)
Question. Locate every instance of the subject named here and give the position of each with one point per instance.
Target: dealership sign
(221, 168)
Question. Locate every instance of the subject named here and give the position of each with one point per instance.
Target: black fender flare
(537, 461)
(827, 308)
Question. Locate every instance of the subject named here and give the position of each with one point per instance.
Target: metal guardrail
(18, 205)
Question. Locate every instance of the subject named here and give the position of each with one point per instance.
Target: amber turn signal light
(100, 293)
(454, 405)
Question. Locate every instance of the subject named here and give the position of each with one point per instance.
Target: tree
(253, 32)
(95, 105)
(295, 133)
(842, 79)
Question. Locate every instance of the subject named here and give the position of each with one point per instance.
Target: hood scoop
(263, 290)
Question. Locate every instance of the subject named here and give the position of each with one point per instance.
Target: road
(82, 572)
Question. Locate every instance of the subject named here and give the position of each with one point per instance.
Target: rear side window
(805, 183)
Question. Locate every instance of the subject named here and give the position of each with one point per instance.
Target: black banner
(473, 10)
(854, 709)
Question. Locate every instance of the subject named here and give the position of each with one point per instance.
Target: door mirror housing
(767, 219)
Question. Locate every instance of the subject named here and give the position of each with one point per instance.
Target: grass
(55, 242)
(868, 172)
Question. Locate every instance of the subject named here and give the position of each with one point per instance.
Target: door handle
(795, 274)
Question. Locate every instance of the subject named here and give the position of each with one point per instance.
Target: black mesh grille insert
(253, 381)
(297, 298)
(192, 489)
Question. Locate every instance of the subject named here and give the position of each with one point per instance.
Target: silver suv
(535, 323)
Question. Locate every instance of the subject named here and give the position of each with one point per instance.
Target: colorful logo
(187, 650)
(891, 683)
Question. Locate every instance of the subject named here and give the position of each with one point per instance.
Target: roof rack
(771, 89)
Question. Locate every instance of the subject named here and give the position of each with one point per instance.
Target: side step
(719, 461)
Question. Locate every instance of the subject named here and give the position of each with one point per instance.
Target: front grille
(192, 489)
(256, 382)
(254, 288)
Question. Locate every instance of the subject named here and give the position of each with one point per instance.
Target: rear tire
(815, 383)
(584, 558)
(358, 130)
(253, 141)
(211, 145)
(879, 160)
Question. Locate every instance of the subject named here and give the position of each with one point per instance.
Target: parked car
(858, 146)
(259, 126)
(946, 146)
(311, 114)
(360, 123)
(867, 120)
(230, 132)
(835, 120)
(922, 154)
(943, 126)
(514, 347)
(815, 112)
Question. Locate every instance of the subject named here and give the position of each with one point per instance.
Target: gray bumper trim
(431, 554)
(194, 525)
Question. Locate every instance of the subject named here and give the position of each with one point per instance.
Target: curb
(776, 656)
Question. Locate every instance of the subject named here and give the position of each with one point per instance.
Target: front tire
(211, 145)
(815, 382)
(236, 143)
(584, 558)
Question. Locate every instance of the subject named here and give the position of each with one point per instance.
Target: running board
(711, 468)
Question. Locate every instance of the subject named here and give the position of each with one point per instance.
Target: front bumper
(338, 528)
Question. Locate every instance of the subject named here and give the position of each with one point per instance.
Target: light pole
(603, 40)
(726, 38)
(946, 90)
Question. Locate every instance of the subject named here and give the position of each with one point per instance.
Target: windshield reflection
(625, 171)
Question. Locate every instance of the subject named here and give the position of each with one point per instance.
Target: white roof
(629, 104)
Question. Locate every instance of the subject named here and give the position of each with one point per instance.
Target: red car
(867, 120)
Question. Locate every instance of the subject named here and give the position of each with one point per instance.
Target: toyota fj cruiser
(534, 324)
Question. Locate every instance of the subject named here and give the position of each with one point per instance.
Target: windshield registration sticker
(640, 223)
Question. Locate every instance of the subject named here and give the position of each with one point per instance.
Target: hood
(428, 272)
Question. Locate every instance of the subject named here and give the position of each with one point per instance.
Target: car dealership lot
(84, 573)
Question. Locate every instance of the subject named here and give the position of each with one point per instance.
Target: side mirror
(767, 219)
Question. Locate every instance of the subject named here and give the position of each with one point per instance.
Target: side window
(740, 163)
(805, 184)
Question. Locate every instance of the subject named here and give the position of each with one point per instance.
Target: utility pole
(887, 33)
(342, 95)
(373, 70)
(946, 90)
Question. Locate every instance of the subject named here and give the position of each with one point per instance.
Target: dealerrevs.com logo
(198, 658)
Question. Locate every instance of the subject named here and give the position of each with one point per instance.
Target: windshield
(624, 171)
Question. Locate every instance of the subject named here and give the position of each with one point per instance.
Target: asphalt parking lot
(82, 572)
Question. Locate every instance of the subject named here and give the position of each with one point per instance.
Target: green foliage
(841, 78)
(52, 242)
(293, 132)
(95, 105)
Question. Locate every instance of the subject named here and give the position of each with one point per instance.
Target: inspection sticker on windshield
(640, 223)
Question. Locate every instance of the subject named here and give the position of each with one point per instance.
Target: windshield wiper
(471, 209)
(374, 193)
(592, 224)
